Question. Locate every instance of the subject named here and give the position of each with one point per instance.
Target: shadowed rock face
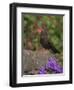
(34, 59)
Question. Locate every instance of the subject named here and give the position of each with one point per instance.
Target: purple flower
(53, 65)
(42, 70)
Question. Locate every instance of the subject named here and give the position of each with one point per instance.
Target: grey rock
(34, 59)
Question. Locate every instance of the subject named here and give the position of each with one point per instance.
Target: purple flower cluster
(52, 65)
(42, 70)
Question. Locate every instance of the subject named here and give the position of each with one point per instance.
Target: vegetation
(33, 23)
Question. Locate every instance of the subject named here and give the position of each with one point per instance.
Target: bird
(44, 41)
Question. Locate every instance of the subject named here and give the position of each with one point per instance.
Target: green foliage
(54, 24)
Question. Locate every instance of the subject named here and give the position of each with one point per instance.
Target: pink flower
(39, 30)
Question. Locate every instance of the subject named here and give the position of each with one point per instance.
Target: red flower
(39, 30)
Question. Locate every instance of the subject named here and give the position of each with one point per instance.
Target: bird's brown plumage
(45, 41)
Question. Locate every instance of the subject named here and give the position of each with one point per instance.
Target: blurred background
(34, 23)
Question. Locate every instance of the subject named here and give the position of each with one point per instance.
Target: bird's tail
(54, 49)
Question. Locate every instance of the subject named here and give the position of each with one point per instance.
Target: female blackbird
(45, 42)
